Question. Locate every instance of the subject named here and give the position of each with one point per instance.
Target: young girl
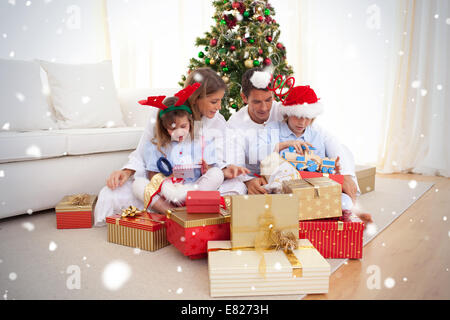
(174, 145)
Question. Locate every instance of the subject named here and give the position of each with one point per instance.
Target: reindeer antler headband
(182, 95)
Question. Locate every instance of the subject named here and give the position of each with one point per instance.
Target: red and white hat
(302, 102)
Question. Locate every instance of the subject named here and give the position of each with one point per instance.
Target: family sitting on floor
(191, 136)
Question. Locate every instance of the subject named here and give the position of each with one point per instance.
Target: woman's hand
(118, 178)
(233, 171)
(254, 186)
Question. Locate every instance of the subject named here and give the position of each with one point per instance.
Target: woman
(205, 103)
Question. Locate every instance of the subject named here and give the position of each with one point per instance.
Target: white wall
(54, 30)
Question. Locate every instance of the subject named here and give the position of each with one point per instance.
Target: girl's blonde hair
(161, 136)
(210, 83)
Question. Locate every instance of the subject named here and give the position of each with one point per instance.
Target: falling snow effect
(389, 283)
(115, 275)
(34, 151)
(412, 184)
(12, 276)
(52, 246)
(28, 226)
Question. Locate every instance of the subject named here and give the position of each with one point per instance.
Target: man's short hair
(247, 85)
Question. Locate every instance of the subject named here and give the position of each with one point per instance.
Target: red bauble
(260, 19)
(280, 45)
(232, 48)
(267, 61)
(269, 38)
(213, 42)
(223, 64)
(236, 5)
(260, 51)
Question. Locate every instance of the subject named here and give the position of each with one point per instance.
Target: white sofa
(39, 166)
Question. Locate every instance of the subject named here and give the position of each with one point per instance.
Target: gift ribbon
(132, 212)
(155, 185)
(79, 200)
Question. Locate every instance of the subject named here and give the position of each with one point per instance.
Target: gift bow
(79, 199)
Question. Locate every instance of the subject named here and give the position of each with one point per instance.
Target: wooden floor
(408, 260)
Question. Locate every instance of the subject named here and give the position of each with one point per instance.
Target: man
(260, 110)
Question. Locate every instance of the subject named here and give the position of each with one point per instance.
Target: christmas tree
(245, 36)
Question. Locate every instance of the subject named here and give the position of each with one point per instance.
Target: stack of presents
(268, 244)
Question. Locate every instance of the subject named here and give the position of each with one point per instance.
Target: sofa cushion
(84, 95)
(23, 106)
(87, 141)
(19, 146)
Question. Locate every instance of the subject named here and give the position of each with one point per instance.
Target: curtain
(416, 110)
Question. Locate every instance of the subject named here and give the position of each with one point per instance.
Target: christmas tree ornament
(251, 40)
(246, 14)
(248, 63)
(232, 48)
(208, 61)
(256, 63)
(223, 22)
(269, 39)
(206, 48)
(225, 79)
(280, 45)
(223, 64)
(213, 42)
(267, 61)
(234, 106)
(260, 51)
(212, 62)
(235, 5)
(260, 19)
(225, 69)
(267, 12)
(201, 54)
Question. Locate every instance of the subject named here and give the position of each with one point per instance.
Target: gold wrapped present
(318, 197)
(236, 272)
(75, 211)
(254, 218)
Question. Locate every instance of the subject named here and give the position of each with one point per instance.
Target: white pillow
(23, 106)
(84, 95)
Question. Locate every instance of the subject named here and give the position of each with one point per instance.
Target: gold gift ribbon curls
(79, 199)
(131, 212)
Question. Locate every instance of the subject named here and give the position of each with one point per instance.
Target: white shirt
(211, 127)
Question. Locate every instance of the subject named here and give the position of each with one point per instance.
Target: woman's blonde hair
(210, 83)
(161, 136)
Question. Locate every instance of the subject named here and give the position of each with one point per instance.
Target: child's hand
(204, 167)
(338, 166)
(298, 144)
(233, 171)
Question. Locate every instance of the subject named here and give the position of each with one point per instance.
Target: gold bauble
(225, 79)
(248, 63)
(212, 61)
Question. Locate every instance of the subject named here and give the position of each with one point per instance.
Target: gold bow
(80, 199)
(131, 211)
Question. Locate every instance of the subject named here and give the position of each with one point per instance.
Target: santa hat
(302, 102)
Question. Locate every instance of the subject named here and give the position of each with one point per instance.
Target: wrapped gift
(203, 202)
(319, 197)
(76, 211)
(366, 178)
(335, 238)
(247, 272)
(253, 214)
(143, 230)
(335, 177)
(190, 233)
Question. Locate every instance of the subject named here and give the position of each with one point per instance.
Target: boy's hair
(247, 85)
(210, 83)
(161, 136)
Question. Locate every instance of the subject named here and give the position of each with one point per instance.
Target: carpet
(38, 261)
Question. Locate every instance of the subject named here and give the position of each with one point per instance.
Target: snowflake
(12, 276)
(115, 275)
(28, 225)
(415, 84)
(423, 92)
(444, 218)
(30, 211)
(136, 251)
(371, 229)
(405, 279)
(2, 174)
(389, 283)
(20, 96)
(33, 151)
(85, 99)
(179, 290)
(439, 87)
(179, 269)
(110, 124)
(412, 184)
(447, 21)
(52, 246)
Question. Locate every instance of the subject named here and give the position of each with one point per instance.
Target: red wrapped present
(142, 230)
(203, 202)
(335, 238)
(190, 233)
(336, 177)
(76, 211)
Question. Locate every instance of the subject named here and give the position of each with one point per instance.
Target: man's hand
(118, 178)
(233, 171)
(254, 186)
(337, 166)
(349, 187)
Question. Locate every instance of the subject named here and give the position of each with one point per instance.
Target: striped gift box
(72, 216)
(146, 231)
